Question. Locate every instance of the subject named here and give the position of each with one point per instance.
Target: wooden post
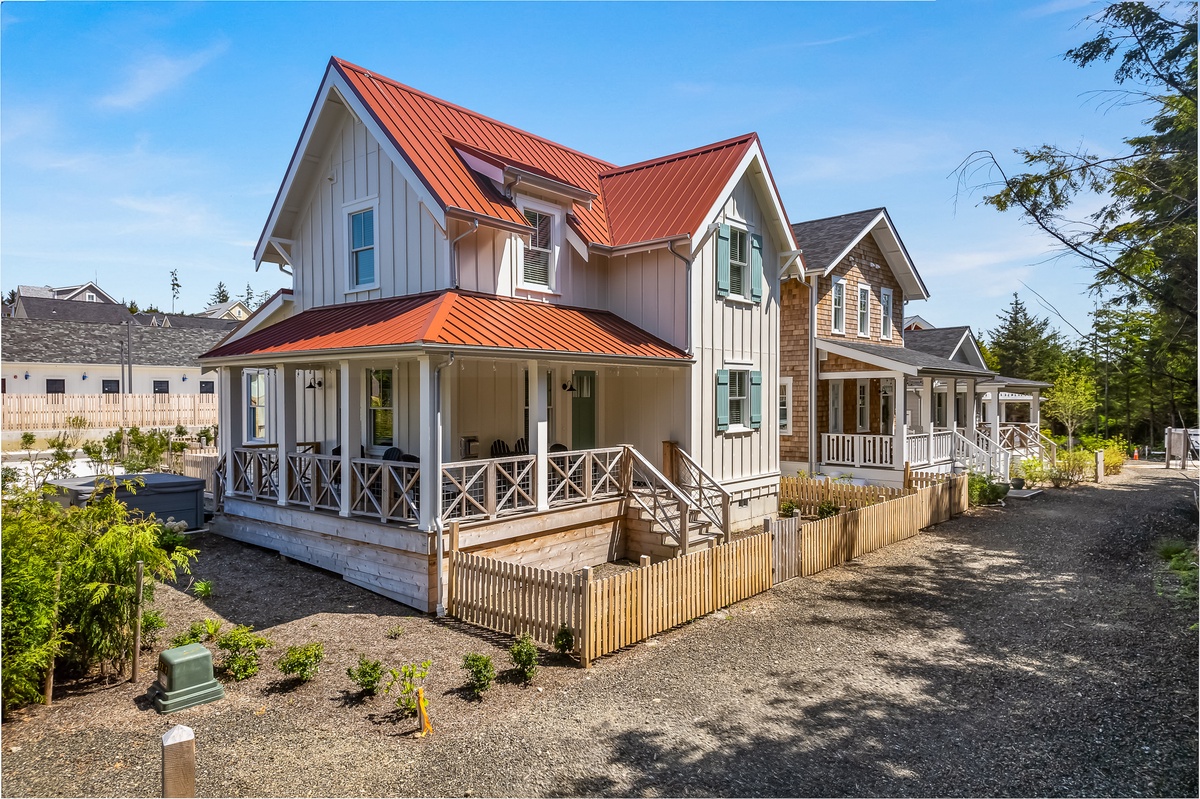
(668, 461)
(685, 523)
(454, 536)
(643, 561)
(137, 624)
(907, 474)
(585, 622)
(179, 762)
(48, 690)
(1099, 466)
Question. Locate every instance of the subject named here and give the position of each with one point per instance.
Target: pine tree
(219, 295)
(1024, 346)
(248, 297)
(175, 286)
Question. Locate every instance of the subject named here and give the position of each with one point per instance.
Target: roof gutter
(641, 246)
(454, 251)
(463, 350)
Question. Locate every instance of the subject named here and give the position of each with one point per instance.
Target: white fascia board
(853, 243)
(334, 82)
(577, 243)
(898, 256)
(752, 154)
(859, 355)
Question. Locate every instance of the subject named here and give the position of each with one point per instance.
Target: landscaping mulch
(1032, 649)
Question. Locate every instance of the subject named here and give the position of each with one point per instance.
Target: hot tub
(164, 495)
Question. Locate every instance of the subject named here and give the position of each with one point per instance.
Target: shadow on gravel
(1036, 673)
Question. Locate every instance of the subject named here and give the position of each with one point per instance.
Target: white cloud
(156, 74)
(1057, 7)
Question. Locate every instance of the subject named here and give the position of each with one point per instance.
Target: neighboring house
(915, 323)
(87, 292)
(876, 404)
(97, 312)
(479, 320)
(233, 309)
(185, 321)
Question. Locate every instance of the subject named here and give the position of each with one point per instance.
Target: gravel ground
(1027, 650)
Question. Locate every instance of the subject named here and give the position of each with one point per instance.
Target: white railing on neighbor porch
(927, 449)
(1024, 440)
(584, 475)
(102, 411)
(851, 449)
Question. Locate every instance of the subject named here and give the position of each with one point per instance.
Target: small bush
(564, 639)
(405, 680)
(1034, 472)
(212, 628)
(787, 509)
(194, 634)
(480, 673)
(302, 661)
(524, 656)
(982, 489)
(241, 647)
(203, 589)
(153, 623)
(828, 508)
(366, 675)
(395, 632)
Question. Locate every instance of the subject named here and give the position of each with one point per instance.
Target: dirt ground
(1026, 650)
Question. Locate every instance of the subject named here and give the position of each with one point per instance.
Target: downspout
(438, 527)
(813, 367)
(687, 262)
(454, 253)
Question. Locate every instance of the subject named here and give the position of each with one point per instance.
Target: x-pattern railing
(583, 475)
(703, 489)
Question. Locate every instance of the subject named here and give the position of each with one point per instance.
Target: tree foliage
(1023, 345)
(1072, 400)
(220, 294)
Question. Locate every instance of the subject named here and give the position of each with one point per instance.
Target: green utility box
(185, 679)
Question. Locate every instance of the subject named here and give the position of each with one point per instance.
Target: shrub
(203, 589)
(480, 672)
(366, 675)
(302, 661)
(564, 639)
(787, 509)
(241, 647)
(194, 634)
(395, 632)
(405, 681)
(982, 489)
(153, 623)
(1034, 472)
(828, 508)
(524, 656)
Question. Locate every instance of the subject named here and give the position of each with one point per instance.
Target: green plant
(564, 639)
(480, 672)
(241, 647)
(787, 509)
(828, 508)
(395, 632)
(153, 623)
(203, 589)
(1034, 472)
(524, 654)
(212, 628)
(405, 680)
(194, 634)
(302, 661)
(982, 489)
(366, 675)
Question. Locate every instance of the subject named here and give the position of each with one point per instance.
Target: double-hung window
(864, 406)
(864, 310)
(738, 394)
(835, 406)
(785, 406)
(885, 314)
(362, 249)
(380, 409)
(539, 253)
(739, 400)
(838, 297)
(256, 406)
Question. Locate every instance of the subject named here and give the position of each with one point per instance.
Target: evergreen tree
(219, 295)
(248, 297)
(1024, 346)
(175, 286)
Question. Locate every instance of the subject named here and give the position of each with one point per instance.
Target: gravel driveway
(1025, 650)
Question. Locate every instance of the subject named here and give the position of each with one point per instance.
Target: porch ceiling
(456, 320)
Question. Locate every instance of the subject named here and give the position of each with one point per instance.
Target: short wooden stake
(48, 689)
(1099, 466)
(907, 474)
(179, 762)
(137, 624)
(426, 727)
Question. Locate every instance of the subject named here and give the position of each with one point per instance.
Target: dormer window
(539, 253)
(361, 236)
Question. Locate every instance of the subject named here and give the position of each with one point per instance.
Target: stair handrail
(979, 457)
(1047, 444)
(706, 486)
(641, 468)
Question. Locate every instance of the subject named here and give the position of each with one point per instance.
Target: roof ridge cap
(443, 305)
(440, 101)
(679, 156)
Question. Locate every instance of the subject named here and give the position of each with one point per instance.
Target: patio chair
(521, 447)
(393, 454)
(556, 447)
(500, 448)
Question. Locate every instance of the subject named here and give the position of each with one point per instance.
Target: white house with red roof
(568, 360)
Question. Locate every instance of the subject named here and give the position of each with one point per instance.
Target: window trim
(835, 406)
(784, 401)
(862, 409)
(247, 408)
(557, 224)
(834, 292)
(885, 317)
(744, 266)
(348, 212)
(864, 310)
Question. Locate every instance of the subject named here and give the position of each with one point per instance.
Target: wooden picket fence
(43, 412)
(202, 465)
(608, 614)
(807, 494)
(925, 479)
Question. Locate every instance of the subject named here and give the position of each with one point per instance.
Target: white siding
(649, 289)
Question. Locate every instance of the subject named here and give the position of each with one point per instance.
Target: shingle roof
(57, 341)
(187, 321)
(457, 319)
(939, 341)
(73, 310)
(824, 239)
(922, 360)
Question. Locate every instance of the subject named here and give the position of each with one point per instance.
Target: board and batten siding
(649, 289)
(411, 249)
(732, 334)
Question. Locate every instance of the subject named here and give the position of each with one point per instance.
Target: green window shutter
(755, 400)
(756, 267)
(722, 399)
(723, 263)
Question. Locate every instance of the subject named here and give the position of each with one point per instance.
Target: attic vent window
(539, 249)
(738, 257)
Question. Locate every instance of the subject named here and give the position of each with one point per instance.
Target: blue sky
(136, 138)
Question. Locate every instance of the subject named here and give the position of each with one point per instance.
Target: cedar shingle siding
(857, 268)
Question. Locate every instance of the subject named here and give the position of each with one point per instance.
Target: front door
(583, 410)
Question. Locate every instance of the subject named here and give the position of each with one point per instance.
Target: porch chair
(500, 448)
(556, 447)
(521, 447)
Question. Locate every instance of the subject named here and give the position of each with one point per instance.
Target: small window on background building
(539, 251)
(208, 387)
(864, 406)
(362, 248)
(835, 406)
(162, 386)
(839, 306)
(110, 386)
(56, 386)
(785, 406)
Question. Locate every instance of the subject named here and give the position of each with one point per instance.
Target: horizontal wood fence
(608, 614)
(807, 494)
(202, 465)
(43, 412)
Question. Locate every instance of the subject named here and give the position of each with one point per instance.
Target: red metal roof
(643, 202)
(453, 318)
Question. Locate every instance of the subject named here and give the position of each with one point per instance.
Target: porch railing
(658, 496)
(857, 449)
(584, 475)
(1023, 438)
(708, 495)
(490, 488)
(387, 490)
(924, 449)
(315, 480)
(255, 473)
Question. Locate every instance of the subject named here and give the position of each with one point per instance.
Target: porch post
(285, 425)
(927, 405)
(431, 481)
(970, 408)
(350, 388)
(1035, 409)
(899, 443)
(539, 432)
(231, 418)
(952, 402)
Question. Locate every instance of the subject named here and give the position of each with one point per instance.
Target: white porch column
(971, 420)
(1035, 409)
(431, 481)
(350, 387)
(539, 432)
(926, 404)
(995, 414)
(1004, 411)
(899, 442)
(231, 418)
(952, 402)
(285, 425)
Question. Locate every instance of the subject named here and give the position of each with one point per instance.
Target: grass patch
(1181, 559)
